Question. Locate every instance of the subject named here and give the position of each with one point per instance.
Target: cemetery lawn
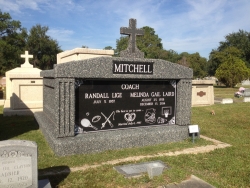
(228, 167)
(221, 92)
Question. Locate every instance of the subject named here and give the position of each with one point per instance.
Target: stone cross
(26, 63)
(132, 31)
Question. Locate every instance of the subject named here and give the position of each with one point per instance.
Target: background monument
(23, 89)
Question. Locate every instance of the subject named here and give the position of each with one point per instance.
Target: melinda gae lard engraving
(132, 68)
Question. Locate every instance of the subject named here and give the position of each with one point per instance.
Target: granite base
(109, 140)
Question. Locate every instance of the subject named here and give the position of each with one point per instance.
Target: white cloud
(19, 5)
(205, 9)
(7, 6)
(186, 25)
(60, 34)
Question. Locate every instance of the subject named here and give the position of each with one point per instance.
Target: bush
(232, 71)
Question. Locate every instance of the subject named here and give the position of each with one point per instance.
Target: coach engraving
(132, 67)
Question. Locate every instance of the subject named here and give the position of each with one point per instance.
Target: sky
(183, 25)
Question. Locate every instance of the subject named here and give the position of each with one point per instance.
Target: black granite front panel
(105, 105)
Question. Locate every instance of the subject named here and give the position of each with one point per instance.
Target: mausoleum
(108, 103)
(23, 89)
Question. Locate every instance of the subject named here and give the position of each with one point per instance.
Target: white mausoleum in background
(202, 92)
(82, 53)
(24, 89)
(24, 86)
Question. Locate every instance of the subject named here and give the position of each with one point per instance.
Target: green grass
(223, 92)
(228, 167)
(25, 128)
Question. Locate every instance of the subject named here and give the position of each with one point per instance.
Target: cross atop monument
(26, 63)
(132, 31)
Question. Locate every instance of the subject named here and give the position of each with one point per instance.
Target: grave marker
(227, 101)
(136, 170)
(246, 93)
(18, 164)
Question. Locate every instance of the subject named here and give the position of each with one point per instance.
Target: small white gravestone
(155, 169)
(227, 101)
(246, 99)
(246, 82)
(18, 164)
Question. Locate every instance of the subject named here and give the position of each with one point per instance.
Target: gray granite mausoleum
(109, 103)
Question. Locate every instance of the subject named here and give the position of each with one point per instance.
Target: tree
(194, 61)
(149, 43)
(152, 47)
(12, 43)
(170, 55)
(8, 26)
(108, 48)
(216, 58)
(233, 69)
(42, 47)
(198, 64)
(239, 40)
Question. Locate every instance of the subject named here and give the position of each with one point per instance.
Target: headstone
(24, 94)
(108, 103)
(155, 169)
(246, 93)
(246, 82)
(227, 101)
(202, 92)
(135, 170)
(18, 164)
(246, 99)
